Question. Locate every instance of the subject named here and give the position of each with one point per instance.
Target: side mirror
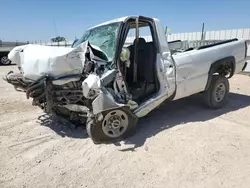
(165, 55)
(175, 45)
(125, 54)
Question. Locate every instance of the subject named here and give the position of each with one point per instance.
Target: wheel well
(225, 67)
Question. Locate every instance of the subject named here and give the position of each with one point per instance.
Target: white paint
(37, 61)
(191, 67)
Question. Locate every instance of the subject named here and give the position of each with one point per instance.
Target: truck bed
(194, 63)
(174, 50)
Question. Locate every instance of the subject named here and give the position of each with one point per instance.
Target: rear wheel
(112, 125)
(217, 94)
(5, 61)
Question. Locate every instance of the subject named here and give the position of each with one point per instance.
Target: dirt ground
(181, 144)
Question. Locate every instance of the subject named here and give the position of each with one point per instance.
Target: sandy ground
(181, 144)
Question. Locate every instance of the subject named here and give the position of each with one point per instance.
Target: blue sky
(25, 20)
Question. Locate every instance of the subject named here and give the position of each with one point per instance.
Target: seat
(149, 72)
(141, 59)
(145, 70)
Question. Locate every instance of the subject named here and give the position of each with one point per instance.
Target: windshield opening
(104, 37)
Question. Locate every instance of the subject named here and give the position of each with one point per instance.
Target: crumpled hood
(36, 60)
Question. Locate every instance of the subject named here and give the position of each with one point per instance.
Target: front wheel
(111, 125)
(217, 94)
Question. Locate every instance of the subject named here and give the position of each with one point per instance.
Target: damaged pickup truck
(106, 85)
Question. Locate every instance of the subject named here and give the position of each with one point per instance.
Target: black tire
(5, 61)
(95, 128)
(214, 100)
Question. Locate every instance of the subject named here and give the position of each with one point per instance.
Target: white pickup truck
(106, 85)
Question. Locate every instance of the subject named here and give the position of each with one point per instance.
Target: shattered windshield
(103, 37)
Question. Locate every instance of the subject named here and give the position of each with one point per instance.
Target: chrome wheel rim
(115, 123)
(220, 92)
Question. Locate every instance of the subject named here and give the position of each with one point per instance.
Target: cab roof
(121, 19)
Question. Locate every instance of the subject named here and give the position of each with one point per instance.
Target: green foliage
(58, 39)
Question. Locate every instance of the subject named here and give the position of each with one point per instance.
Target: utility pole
(202, 32)
(166, 30)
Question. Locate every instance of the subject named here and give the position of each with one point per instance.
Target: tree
(58, 39)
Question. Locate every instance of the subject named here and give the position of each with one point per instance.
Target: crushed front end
(87, 93)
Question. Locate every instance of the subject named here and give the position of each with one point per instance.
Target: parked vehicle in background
(107, 86)
(4, 59)
(5, 48)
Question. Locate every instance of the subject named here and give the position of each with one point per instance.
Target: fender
(214, 66)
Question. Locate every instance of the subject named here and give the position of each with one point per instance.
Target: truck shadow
(12, 64)
(179, 112)
(167, 116)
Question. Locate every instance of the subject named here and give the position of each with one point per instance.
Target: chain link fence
(191, 39)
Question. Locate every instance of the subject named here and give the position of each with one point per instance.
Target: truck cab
(149, 72)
